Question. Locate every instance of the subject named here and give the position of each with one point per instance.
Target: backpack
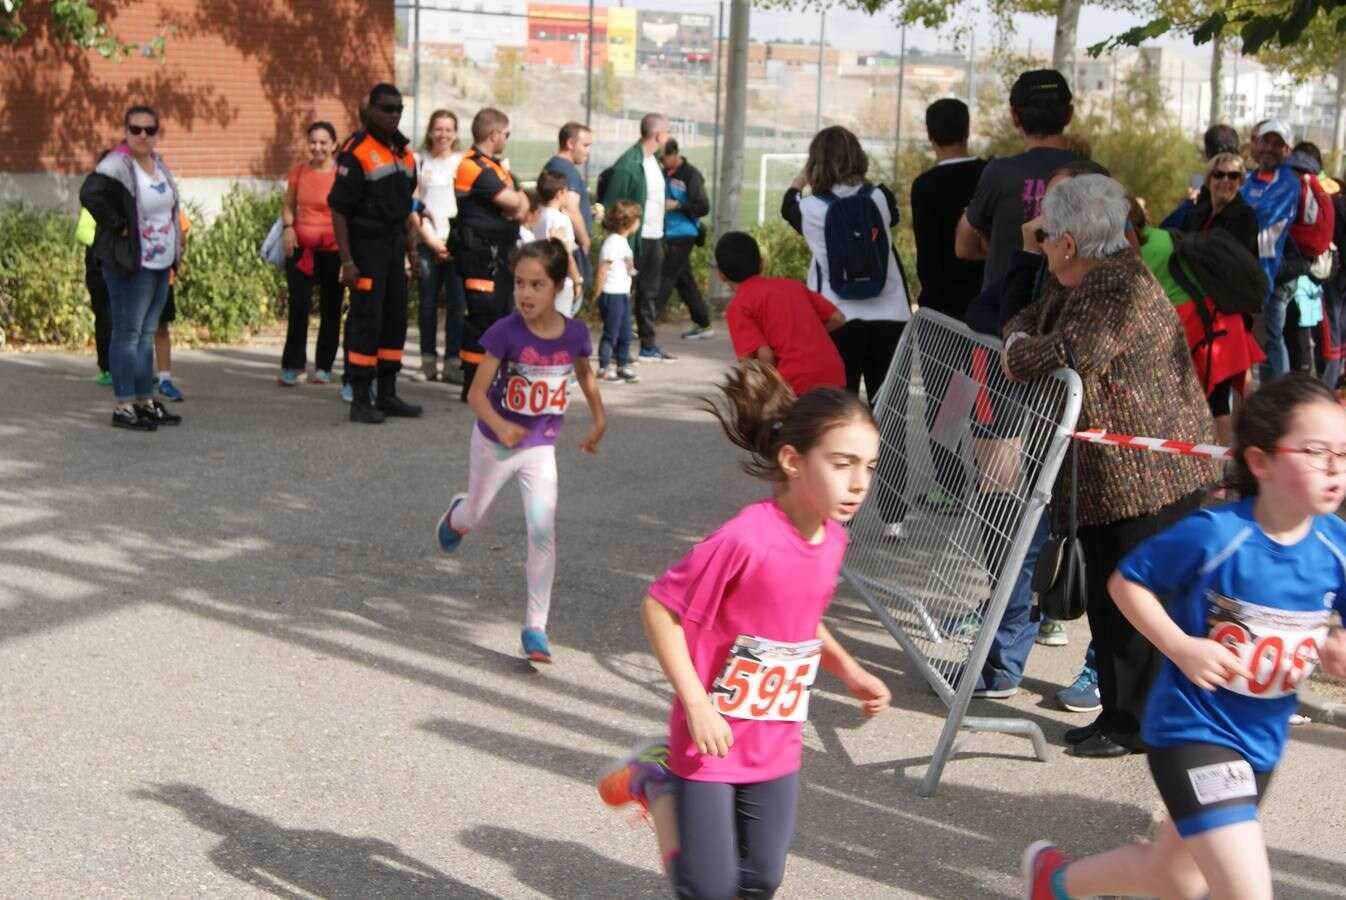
(604, 180)
(1224, 270)
(1312, 229)
(858, 247)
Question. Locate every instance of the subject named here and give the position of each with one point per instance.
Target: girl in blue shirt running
(1248, 590)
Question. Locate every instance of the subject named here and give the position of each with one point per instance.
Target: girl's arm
(289, 213)
(1332, 655)
(584, 374)
(601, 276)
(868, 689)
(1206, 663)
(575, 278)
(506, 431)
(710, 732)
(764, 354)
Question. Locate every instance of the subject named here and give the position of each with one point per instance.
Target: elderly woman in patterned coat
(1105, 316)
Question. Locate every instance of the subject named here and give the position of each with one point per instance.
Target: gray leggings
(734, 837)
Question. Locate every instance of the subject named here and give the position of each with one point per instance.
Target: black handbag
(1059, 576)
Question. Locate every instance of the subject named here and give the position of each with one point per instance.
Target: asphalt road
(233, 663)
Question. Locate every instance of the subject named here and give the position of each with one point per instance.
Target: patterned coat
(1131, 355)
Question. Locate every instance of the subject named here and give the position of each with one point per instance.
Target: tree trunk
(1339, 124)
(1217, 115)
(735, 113)
(1067, 30)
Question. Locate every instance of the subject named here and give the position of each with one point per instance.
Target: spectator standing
(1272, 190)
(686, 205)
(574, 143)
(137, 242)
(612, 288)
(97, 287)
(1010, 190)
(311, 257)
(1222, 205)
(938, 198)
(1218, 139)
(637, 176)
(436, 169)
(371, 202)
(552, 222)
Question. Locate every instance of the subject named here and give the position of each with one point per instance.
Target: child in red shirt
(777, 320)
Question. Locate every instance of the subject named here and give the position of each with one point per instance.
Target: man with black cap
(1009, 192)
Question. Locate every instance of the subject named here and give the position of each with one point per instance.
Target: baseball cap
(1276, 126)
(1040, 87)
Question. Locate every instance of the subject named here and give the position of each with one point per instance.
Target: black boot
(361, 409)
(390, 403)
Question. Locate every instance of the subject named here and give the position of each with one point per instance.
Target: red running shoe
(1040, 862)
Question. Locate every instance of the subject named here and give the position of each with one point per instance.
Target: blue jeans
(1015, 637)
(434, 274)
(616, 312)
(135, 304)
(1273, 317)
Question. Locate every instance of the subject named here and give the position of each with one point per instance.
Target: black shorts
(170, 313)
(1206, 786)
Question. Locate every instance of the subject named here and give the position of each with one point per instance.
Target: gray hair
(1093, 210)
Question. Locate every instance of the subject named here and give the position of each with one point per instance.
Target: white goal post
(796, 161)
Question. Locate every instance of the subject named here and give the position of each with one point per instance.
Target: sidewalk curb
(1321, 709)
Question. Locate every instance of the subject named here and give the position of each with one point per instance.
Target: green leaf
(1258, 31)
(1294, 24)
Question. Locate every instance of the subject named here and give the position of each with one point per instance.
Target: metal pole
(715, 146)
(415, 67)
(818, 104)
(972, 74)
(589, 78)
(735, 112)
(901, 82)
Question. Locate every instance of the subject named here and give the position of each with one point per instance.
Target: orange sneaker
(628, 779)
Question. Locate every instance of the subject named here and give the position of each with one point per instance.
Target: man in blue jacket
(685, 205)
(1272, 190)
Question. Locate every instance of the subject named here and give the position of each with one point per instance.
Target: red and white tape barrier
(1158, 445)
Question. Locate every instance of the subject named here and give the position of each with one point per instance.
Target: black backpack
(1224, 270)
(858, 246)
(604, 179)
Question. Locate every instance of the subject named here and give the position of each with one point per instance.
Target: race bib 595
(767, 680)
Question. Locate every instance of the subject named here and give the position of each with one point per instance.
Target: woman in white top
(436, 168)
(138, 243)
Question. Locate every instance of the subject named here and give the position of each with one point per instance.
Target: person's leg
(453, 320)
(607, 309)
(766, 824)
(882, 342)
(102, 315)
(538, 484)
(157, 287)
(1273, 320)
(1161, 868)
(850, 343)
(705, 865)
(490, 466)
(327, 268)
(625, 337)
(427, 293)
(300, 290)
(364, 326)
(647, 286)
(393, 332)
(1017, 632)
(878, 342)
(669, 268)
(688, 288)
(128, 301)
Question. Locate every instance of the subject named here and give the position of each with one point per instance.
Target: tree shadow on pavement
(566, 870)
(300, 863)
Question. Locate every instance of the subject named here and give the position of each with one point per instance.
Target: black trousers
(326, 275)
(867, 349)
(376, 326)
(676, 272)
(1126, 661)
(488, 295)
(102, 314)
(648, 269)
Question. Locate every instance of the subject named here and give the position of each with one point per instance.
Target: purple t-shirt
(533, 387)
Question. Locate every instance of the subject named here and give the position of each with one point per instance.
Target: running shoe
(169, 391)
(627, 374)
(655, 355)
(452, 374)
(1082, 695)
(893, 532)
(320, 376)
(698, 333)
(535, 645)
(1041, 862)
(288, 377)
(961, 627)
(347, 394)
(1052, 633)
(609, 375)
(156, 412)
(630, 779)
(449, 537)
(940, 501)
(131, 418)
(104, 377)
(998, 688)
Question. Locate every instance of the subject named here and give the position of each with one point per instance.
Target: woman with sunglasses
(1223, 205)
(138, 242)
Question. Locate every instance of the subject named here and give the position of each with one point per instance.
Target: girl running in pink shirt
(737, 627)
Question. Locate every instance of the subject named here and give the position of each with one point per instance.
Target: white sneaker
(893, 532)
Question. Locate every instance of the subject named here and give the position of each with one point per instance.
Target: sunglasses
(390, 108)
(1221, 175)
(138, 130)
(1040, 236)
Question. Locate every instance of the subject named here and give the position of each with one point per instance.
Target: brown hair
(623, 215)
(761, 414)
(569, 132)
(434, 117)
(486, 121)
(1077, 167)
(835, 157)
(1265, 418)
(550, 183)
(551, 253)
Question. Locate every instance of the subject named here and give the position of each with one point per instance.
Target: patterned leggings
(491, 466)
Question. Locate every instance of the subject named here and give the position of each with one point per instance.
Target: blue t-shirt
(1221, 577)
(533, 386)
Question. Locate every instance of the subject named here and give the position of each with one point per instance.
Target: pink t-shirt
(755, 575)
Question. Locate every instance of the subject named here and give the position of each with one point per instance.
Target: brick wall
(240, 81)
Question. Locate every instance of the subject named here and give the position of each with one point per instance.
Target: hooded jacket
(112, 198)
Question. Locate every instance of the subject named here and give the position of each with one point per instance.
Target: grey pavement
(233, 663)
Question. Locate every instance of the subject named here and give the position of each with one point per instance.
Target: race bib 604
(537, 392)
(767, 680)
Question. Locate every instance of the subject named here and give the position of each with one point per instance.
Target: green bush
(225, 288)
(42, 295)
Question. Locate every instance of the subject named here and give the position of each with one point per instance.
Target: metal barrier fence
(950, 421)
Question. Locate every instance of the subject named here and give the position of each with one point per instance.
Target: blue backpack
(858, 247)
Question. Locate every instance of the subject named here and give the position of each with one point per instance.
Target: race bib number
(1223, 781)
(767, 680)
(535, 394)
(1279, 647)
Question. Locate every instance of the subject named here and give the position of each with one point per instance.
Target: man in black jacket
(686, 203)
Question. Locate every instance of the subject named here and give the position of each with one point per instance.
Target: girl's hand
(1332, 655)
(1206, 663)
(870, 690)
(510, 434)
(710, 732)
(590, 442)
(288, 241)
